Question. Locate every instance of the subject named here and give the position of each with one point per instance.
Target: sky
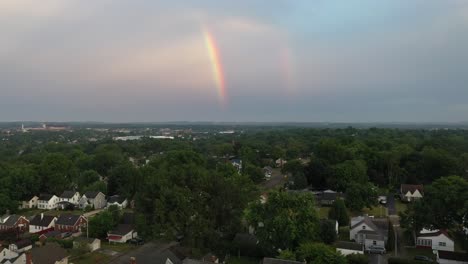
(243, 60)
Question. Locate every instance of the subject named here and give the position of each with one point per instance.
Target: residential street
(377, 259)
(391, 205)
(276, 179)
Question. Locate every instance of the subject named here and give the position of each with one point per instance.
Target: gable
(417, 193)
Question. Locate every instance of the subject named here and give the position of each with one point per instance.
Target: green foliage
(100, 224)
(390, 246)
(254, 173)
(339, 212)
(348, 172)
(285, 220)
(357, 259)
(319, 253)
(287, 255)
(361, 195)
(327, 231)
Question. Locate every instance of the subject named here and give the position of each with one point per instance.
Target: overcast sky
(282, 60)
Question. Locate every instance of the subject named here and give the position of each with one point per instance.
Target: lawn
(343, 234)
(399, 206)
(377, 211)
(242, 260)
(95, 257)
(117, 247)
(323, 212)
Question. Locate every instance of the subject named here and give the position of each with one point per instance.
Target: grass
(323, 212)
(399, 206)
(343, 233)
(242, 260)
(411, 252)
(124, 247)
(32, 212)
(377, 211)
(95, 257)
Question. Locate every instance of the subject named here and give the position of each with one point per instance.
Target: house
(70, 196)
(21, 246)
(93, 244)
(42, 223)
(51, 234)
(14, 222)
(449, 257)
(118, 201)
(31, 203)
(348, 248)
(96, 200)
(51, 253)
(369, 231)
(166, 256)
(7, 255)
(47, 201)
(267, 171)
(280, 162)
(411, 192)
(435, 239)
(70, 223)
(327, 197)
(122, 234)
(279, 261)
(65, 205)
(237, 163)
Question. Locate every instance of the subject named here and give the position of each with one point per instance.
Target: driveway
(377, 259)
(391, 205)
(146, 254)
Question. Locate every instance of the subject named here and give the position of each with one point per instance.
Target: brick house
(70, 223)
(14, 222)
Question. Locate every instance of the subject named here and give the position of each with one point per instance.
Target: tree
(359, 196)
(284, 221)
(357, 259)
(253, 172)
(348, 172)
(339, 212)
(299, 181)
(287, 255)
(102, 223)
(332, 151)
(327, 231)
(57, 173)
(319, 253)
(87, 178)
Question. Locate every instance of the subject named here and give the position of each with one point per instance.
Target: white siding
(353, 232)
(440, 242)
(346, 252)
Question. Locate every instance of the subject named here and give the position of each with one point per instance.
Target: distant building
(31, 203)
(47, 201)
(369, 231)
(70, 223)
(410, 192)
(72, 197)
(42, 223)
(14, 222)
(435, 239)
(117, 200)
(122, 234)
(97, 200)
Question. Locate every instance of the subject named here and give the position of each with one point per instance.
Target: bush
(357, 259)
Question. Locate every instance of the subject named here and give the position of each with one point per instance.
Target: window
(442, 244)
(374, 243)
(363, 227)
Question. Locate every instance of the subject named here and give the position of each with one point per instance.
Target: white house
(31, 203)
(122, 234)
(95, 199)
(7, 254)
(448, 257)
(435, 239)
(280, 162)
(117, 200)
(410, 192)
(369, 231)
(93, 244)
(42, 223)
(237, 163)
(348, 248)
(47, 201)
(70, 196)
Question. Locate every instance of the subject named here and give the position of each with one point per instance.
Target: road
(276, 179)
(391, 205)
(147, 254)
(93, 213)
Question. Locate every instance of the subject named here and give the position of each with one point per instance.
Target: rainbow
(216, 65)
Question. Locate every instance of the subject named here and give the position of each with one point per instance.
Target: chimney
(133, 260)
(28, 257)
(42, 216)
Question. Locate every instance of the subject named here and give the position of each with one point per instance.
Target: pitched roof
(121, 230)
(366, 220)
(48, 254)
(411, 188)
(91, 194)
(349, 245)
(167, 254)
(116, 199)
(457, 256)
(45, 197)
(68, 219)
(67, 194)
(42, 220)
(52, 233)
(435, 233)
(11, 220)
(128, 218)
(279, 261)
(22, 243)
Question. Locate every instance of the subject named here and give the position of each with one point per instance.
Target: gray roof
(128, 219)
(279, 261)
(44, 221)
(67, 219)
(116, 199)
(22, 243)
(122, 230)
(164, 255)
(349, 245)
(45, 197)
(91, 195)
(67, 194)
(52, 233)
(11, 221)
(366, 220)
(48, 254)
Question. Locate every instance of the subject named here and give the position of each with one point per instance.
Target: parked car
(137, 241)
(423, 258)
(376, 250)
